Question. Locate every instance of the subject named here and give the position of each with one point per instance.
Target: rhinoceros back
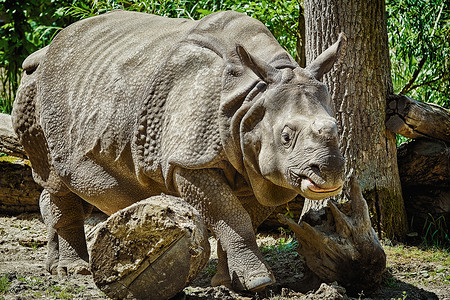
(91, 86)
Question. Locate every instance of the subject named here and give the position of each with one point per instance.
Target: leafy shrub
(419, 39)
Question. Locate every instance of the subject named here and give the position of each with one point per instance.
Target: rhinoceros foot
(256, 283)
(78, 266)
(253, 281)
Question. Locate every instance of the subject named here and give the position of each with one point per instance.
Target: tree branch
(426, 82)
(416, 73)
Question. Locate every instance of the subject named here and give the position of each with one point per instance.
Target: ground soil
(412, 273)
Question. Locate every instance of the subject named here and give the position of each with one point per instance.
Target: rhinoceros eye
(286, 136)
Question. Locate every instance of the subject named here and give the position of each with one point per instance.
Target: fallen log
(424, 162)
(149, 250)
(339, 243)
(9, 143)
(424, 168)
(414, 119)
(18, 191)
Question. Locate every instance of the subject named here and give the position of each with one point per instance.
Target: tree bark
(359, 86)
(18, 191)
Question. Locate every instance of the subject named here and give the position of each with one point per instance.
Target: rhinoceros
(124, 106)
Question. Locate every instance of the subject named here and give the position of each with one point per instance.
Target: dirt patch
(412, 273)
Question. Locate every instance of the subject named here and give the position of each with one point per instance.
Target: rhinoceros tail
(31, 63)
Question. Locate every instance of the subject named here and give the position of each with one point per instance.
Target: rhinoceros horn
(324, 62)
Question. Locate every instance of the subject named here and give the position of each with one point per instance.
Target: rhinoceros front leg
(64, 218)
(258, 214)
(207, 191)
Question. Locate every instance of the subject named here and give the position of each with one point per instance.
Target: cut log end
(9, 143)
(150, 250)
(342, 247)
(414, 119)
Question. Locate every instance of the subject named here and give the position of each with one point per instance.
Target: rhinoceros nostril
(316, 170)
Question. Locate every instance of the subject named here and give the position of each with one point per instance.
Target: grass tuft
(5, 283)
(436, 233)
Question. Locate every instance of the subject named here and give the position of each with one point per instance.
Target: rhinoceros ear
(262, 69)
(325, 61)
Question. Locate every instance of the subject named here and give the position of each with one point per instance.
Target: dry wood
(18, 191)
(339, 244)
(9, 142)
(424, 162)
(414, 119)
(424, 167)
(149, 250)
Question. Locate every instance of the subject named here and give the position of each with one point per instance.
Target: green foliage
(25, 26)
(282, 245)
(419, 39)
(401, 139)
(5, 282)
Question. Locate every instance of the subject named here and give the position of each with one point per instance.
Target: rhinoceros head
(289, 137)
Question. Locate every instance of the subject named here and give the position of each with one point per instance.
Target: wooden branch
(414, 119)
(407, 87)
(338, 242)
(9, 143)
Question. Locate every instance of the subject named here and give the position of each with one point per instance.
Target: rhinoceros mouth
(308, 187)
(308, 184)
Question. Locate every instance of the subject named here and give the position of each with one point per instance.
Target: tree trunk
(359, 86)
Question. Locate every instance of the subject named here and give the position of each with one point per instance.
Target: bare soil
(412, 273)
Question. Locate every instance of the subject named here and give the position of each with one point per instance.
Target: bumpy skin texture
(124, 106)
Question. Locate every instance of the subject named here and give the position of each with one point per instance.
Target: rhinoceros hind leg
(222, 277)
(64, 218)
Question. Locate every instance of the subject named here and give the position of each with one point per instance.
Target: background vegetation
(419, 34)
(419, 38)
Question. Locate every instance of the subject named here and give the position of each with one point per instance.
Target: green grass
(38, 288)
(64, 292)
(5, 282)
(423, 265)
(282, 245)
(435, 233)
